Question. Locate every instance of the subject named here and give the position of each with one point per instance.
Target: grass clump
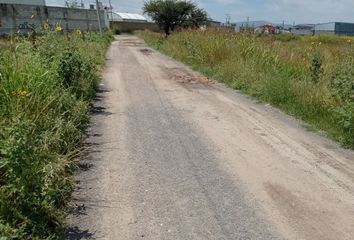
(309, 77)
(45, 94)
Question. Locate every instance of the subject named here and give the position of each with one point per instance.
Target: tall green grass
(309, 77)
(45, 91)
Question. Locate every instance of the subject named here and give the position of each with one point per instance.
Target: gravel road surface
(174, 155)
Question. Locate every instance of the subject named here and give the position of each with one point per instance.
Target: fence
(23, 18)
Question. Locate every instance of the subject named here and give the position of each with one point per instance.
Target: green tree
(197, 18)
(171, 14)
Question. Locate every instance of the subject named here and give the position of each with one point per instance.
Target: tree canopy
(171, 14)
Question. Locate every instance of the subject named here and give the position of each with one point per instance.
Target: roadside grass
(45, 94)
(309, 77)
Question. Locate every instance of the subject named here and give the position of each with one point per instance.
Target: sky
(290, 11)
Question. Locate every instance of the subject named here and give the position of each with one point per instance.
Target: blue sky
(300, 11)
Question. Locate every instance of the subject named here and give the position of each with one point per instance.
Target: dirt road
(173, 155)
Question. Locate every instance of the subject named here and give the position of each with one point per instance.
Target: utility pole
(248, 21)
(228, 19)
(98, 17)
(111, 8)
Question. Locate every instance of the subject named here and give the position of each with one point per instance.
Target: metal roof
(131, 16)
(303, 26)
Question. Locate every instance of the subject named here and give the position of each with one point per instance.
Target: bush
(77, 72)
(117, 31)
(316, 67)
(286, 37)
(342, 82)
(346, 120)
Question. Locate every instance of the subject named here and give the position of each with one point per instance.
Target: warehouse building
(303, 29)
(126, 17)
(335, 28)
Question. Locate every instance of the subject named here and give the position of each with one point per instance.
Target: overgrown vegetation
(310, 77)
(46, 85)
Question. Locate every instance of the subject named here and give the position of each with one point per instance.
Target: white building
(126, 17)
(26, 2)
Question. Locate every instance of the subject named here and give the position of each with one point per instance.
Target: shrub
(316, 67)
(346, 120)
(117, 31)
(287, 37)
(342, 81)
(342, 84)
(77, 72)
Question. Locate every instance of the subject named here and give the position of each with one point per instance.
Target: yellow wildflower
(313, 43)
(19, 93)
(349, 41)
(78, 31)
(58, 28)
(320, 43)
(22, 93)
(46, 26)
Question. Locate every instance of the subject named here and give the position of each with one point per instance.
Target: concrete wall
(132, 26)
(22, 18)
(28, 2)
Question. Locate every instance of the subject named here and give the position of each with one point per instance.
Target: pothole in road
(182, 76)
(192, 79)
(146, 51)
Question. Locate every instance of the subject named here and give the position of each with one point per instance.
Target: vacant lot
(310, 77)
